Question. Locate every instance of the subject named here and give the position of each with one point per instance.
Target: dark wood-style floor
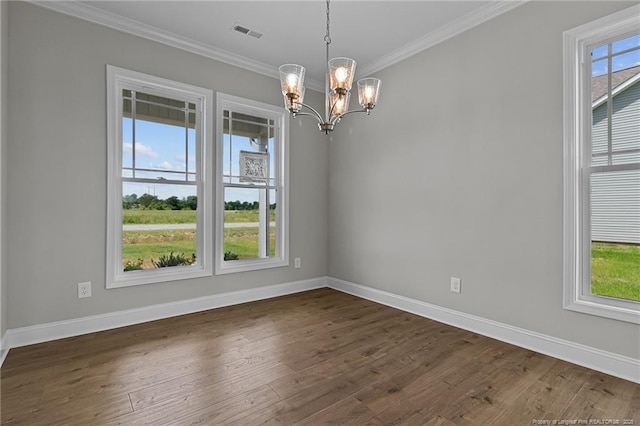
(319, 357)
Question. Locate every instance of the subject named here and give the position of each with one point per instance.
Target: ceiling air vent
(246, 31)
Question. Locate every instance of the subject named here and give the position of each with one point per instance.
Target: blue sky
(167, 149)
(619, 62)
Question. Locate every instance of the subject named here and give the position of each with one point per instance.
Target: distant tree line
(152, 202)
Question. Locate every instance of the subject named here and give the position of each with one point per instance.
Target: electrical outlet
(456, 285)
(296, 262)
(84, 290)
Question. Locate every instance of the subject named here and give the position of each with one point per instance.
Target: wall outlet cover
(84, 290)
(456, 285)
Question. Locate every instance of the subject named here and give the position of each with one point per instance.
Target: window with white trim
(251, 186)
(602, 167)
(159, 225)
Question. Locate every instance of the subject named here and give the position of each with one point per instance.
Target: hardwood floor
(319, 357)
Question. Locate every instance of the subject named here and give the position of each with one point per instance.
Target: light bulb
(292, 83)
(368, 94)
(341, 74)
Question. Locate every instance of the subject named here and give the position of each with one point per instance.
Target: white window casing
(578, 169)
(119, 79)
(279, 117)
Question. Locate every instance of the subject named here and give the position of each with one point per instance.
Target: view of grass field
(156, 217)
(615, 270)
(149, 245)
(615, 267)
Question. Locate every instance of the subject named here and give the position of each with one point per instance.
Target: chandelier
(338, 80)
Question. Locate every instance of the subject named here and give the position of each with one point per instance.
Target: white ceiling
(374, 33)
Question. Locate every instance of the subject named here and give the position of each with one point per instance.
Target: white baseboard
(74, 327)
(616, 365)
(4, 350)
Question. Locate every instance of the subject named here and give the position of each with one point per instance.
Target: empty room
(319, 212)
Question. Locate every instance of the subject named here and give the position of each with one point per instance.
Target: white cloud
(182, 159)
(165, 165)
(141, 149)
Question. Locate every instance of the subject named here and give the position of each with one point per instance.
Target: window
(602, 167)
(252, 186)
(159, 227)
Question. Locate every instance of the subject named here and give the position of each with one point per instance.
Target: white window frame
(577, 113)
(280, 116)
(117, 80)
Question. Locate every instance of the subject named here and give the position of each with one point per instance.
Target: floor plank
(312, 358)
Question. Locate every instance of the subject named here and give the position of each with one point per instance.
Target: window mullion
(186, 140)
(133, 132)
(609, 105)
(613, 168)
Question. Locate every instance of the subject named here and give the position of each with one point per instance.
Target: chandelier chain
(327, 36)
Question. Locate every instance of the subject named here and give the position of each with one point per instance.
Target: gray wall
(4, 32)
(57, 167)
(458, 172)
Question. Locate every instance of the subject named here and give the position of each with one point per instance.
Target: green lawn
(147, 245)
(615, 270)
(138, 216)
(244, 242)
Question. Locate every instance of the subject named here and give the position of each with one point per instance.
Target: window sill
(621, 311)
(235, 266)
(133, 278)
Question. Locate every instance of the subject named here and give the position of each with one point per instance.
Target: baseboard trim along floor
(586, 356)
(74, 327)
(607, 362)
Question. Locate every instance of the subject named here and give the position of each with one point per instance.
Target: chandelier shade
(341, 73)
(294, 103)
(339, 77)
(292, 79)
(368, 91)
(339, 103)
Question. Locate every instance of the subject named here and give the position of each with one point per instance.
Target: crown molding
(90, 13)
(452, 29)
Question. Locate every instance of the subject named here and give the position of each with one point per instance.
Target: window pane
(625, 123)
(626, 44)
(159, 145)
(626, 60)
(616, 103)
(600, 52)
(248, 134)
(248, 234)
(159, 137)
(127, 142)
(599, 68)
(159, 225)
(600, 133)
(615, 234)
(236, 116)
(190, 160)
